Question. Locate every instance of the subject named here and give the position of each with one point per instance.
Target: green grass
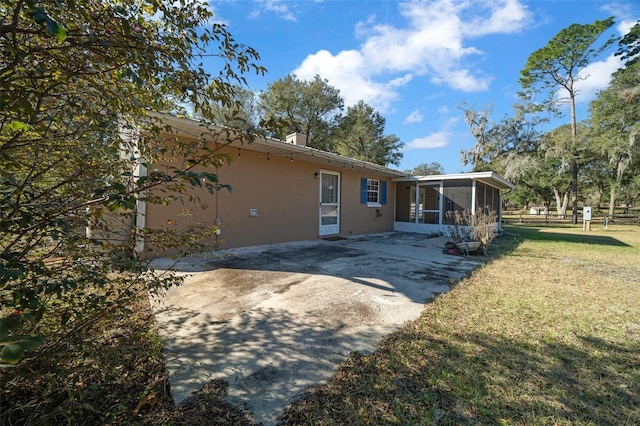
(546, 333)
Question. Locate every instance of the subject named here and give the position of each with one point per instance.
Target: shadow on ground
(275, 320)
(539, 234)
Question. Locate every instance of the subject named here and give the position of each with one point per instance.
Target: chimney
(297, 139)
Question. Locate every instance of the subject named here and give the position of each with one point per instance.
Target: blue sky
(416, 62)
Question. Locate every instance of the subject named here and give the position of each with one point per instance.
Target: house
(286, 191)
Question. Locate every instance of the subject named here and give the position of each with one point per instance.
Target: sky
(419, 62)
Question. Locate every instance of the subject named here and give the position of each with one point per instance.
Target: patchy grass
(548, 333)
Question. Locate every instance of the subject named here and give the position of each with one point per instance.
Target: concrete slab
(274, 320)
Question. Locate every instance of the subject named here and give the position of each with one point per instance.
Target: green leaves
(52, 28)
(307, 107)
(16, 125)
(566, 54)
(630, 45)
(360, 134)
(13, 347)
(315, 109)
(73, 73)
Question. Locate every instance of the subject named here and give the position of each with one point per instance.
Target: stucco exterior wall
(285, 197)
(358, 218)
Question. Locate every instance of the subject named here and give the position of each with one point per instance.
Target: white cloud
(452, 121)
(623, 13)
(280, 8)
(505, 17)
(596, 76)
(435, 140)
(430, 43)
(463, 80)
(625, 26)
(443, 109)
(346, 71)
(414, 117)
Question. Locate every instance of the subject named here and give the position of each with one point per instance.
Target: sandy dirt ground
(274, 320)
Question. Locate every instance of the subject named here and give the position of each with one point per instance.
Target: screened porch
(422, 202)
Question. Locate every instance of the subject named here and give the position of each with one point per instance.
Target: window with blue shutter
(373, 192)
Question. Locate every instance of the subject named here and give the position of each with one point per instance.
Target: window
(373, 192)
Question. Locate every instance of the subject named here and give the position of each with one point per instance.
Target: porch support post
(473, 202)
(499, 208)
(129, 150)
(417, 202)
(441, 203)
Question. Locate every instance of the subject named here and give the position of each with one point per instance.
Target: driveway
(274, 320)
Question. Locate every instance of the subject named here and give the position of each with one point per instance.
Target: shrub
(463, 227)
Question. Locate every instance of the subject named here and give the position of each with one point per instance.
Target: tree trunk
(599, 199)
(574, 190)
(574, 157)
(612, 200)
(562, 201)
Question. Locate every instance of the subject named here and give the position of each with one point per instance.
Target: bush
(464, 227)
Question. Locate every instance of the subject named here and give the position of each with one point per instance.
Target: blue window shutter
(363, 190)
(383, 193)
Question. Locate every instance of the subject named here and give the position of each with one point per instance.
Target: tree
(630, 191)
(76, 80)
(240, 111)
(514, 147)
(308, 107)
(629, 46)
(557, 66)
(615, 117)
(360, 135)
(427, 169)
(560, 152)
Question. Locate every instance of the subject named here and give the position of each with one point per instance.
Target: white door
(329, 203)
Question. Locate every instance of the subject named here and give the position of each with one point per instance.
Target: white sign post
(586, 218)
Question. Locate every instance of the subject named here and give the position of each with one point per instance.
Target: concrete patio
(274, 320)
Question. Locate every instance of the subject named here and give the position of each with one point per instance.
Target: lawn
(547, 332)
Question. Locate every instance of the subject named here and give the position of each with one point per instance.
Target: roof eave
(198, 129)
(489, 178)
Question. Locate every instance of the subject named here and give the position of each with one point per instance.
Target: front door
(329, 203)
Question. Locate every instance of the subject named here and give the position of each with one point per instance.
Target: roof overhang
(195, 129)
(488, 178)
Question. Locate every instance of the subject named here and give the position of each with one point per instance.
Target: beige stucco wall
(285, 195)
